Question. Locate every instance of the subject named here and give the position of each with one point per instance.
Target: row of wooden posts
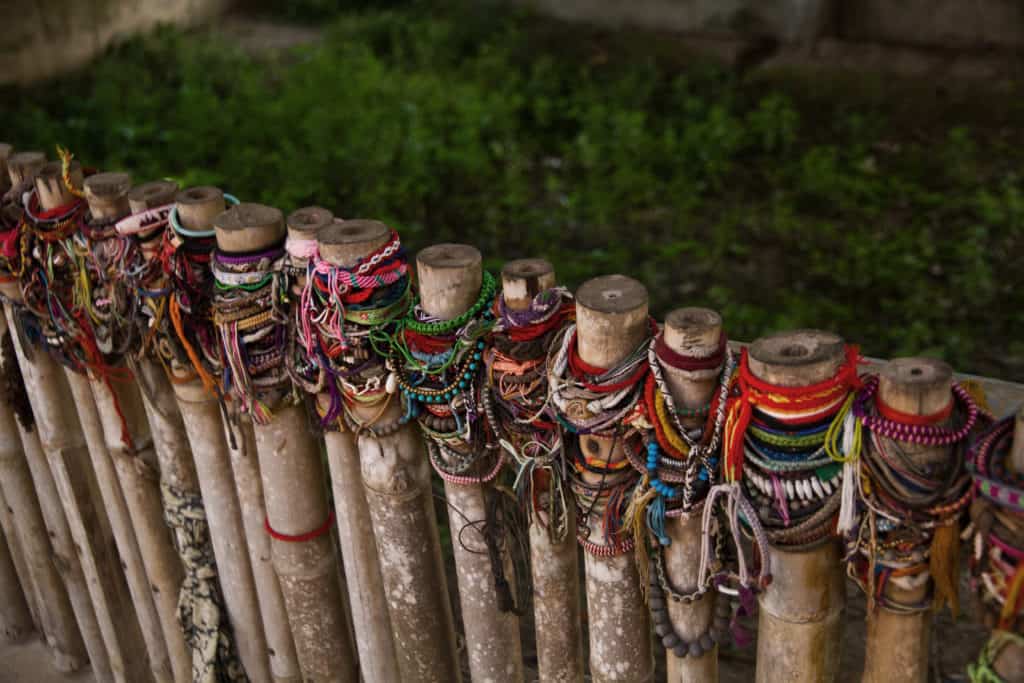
(85, 532)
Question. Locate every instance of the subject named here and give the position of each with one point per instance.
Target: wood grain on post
(53, 607)
(23, 166)
(6, 151)
(15, 618)
(1009, 663)
(295, 495)
(204, 427)
(692, 332)
(898, 644)
(342, 244)
(21, 568)
(450, 277)
(395, 475)
(112, 617)
(554, 565)
(799, 624)
(121, 406)
(611, 321)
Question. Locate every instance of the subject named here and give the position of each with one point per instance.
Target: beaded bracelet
(925, 435)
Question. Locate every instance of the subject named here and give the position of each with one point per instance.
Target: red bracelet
(308, 536)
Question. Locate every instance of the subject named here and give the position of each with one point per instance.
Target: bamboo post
(693, 332)
(295, 496)
(450, 277)
(205, 430)
(21, 568)
(1009, 663)
(15, 618)
(898, 644)
(554, 565)
(611, 321)
(396, 485)
(342, 244)
(62, 440)
(53, 607)
(799, 622)
(120, 407)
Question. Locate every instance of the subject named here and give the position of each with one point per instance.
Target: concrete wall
(46, 37)
(959, 24)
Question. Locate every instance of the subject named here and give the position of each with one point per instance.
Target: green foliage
(468, 124)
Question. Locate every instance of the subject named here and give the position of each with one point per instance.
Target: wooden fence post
(130, 445)
(53, 607)
(342, 244)
(897, 647)
(21, 567)
(450, 279)
(395, 475)
(63, 443)
(554, 563)
(611, 323)
(799, 624)
(1009, 663)
(15, 618)
(294, 491)
(196, 208)
(693, 332)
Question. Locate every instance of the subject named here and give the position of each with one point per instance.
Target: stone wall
(940, 24)
(47, 37)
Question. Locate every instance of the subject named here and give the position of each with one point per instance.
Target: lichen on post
(250, 241)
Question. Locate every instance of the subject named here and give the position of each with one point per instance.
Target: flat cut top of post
(797, 358)
(305, 223)
(198, 206)
(50, 184)
(919, 386)
(525, 278)
(23, 166)
(249, 227)
(450, 276)
(343, 243)
(107, 194)
(152, 194)
(692, 332)
(611, 319)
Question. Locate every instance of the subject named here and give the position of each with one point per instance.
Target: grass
(891, 213)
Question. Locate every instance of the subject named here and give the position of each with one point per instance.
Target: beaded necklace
(793, 449)
(996, 531)
(517, 389)
(601, 403)
(909, 528)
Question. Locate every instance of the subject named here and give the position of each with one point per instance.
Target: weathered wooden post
(914, 489)
(192, 283)
(531, 310)
(130, 445)
(15, 618)
(10, 531)
(694, 335)
(201, 601)
(612, 329)
(342, 245)
(53, 608)
(392, 465)
(63, 443)
(799, 626)
(250, 241)
(452, 287)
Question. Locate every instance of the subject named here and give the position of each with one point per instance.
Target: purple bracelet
(244, 259)
(924, 435)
